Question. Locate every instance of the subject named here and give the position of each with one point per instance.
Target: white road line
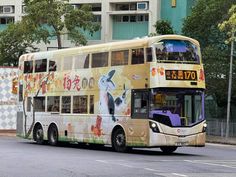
(212, 164)
(125, 165)
(102, 161)
(150, 169)
(177, 174)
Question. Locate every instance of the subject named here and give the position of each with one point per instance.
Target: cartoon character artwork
(108, 104)
(96, 129)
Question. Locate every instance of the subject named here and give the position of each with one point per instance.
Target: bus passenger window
(80, 104)
(68, 63)
(53, 103)
(52, 65)
(29, 99)
(28, 66)
(137, 56)
(119, 58)
(91, 104)
(99, 59)
(149, 54)
(66, 104)
(41, 65)
(140, 104)
(39, 104)
(81, 61)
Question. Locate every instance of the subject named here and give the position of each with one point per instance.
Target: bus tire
(119, 140)
(53, 135)
(168, 149)
(38, 134)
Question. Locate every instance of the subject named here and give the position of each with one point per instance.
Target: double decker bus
(145, 92)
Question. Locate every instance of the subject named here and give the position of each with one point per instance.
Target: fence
(217, 127)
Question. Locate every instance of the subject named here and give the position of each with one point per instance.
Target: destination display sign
(188, 75)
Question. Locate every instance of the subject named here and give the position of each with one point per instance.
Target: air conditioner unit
(8, 9)
(142, 6)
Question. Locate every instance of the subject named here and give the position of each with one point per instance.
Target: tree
(202, 25)
(14, 41)
(163, 27)
(54, 18)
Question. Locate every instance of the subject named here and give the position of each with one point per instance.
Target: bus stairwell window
(137, 56)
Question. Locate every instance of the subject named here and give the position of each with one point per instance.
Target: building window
(99, 59)
(53, 103)
(66, 104)
(131, 18)
(80, 104)
(39, 104)
(119, 57)
(7, 9)
(6, 20)
(40, 65)
(173, 3)
(28, 67)
(137, 56)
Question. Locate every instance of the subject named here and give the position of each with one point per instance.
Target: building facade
(119, 19)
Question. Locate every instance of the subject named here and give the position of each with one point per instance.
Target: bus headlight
(204, 127)
(154, 127)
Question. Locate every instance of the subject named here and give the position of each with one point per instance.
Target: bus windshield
(177, 51)
(180, 108)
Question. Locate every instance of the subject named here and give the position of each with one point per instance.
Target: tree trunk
(59, 44)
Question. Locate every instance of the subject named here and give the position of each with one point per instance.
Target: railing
(217, 127)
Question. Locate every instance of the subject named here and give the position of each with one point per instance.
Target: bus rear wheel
(38, 134)
(53, 135)
(119, 140)
(168, 149)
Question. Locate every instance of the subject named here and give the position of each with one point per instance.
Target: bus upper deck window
(41, 65)
(28, 66)
(52, 66)
(149, 54)
(81, 61)
(137, 56)
(100, 59)
(119, 57)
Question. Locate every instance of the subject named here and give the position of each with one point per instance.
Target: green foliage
(14, 41)
(61, 18)
(202, 25)
(163, 27)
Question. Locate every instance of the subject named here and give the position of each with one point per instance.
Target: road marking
(125, 165)
(150, 169)
(102, 161)
(209, 163)
(177, 174)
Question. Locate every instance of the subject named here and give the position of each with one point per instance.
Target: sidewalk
(7, 133)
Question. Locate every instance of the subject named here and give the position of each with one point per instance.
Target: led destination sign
(181, 75)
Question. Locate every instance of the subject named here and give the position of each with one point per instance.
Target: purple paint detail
(174, 118)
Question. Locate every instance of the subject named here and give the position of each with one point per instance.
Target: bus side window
(80, 104)
(81, 61)
(119, 58)
(20, 92)
(29, 100)
(149, 54)
(91, 104)
(139, 104)
(41, 65)
(52, 65)
(53, 103)
(99, 59)
(66, 104)
(39, 104)
(68, 63)
(137, 56)
(28, 66)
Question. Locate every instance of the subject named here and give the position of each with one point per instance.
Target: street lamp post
(230, 85)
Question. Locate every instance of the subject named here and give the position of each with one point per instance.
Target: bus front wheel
(119, 140)
(53, 135)
(168, 149)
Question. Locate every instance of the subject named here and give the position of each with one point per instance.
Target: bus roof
(118, 45)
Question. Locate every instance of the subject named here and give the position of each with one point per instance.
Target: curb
(11, 133)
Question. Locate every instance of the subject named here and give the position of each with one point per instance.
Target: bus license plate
(181, 143)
